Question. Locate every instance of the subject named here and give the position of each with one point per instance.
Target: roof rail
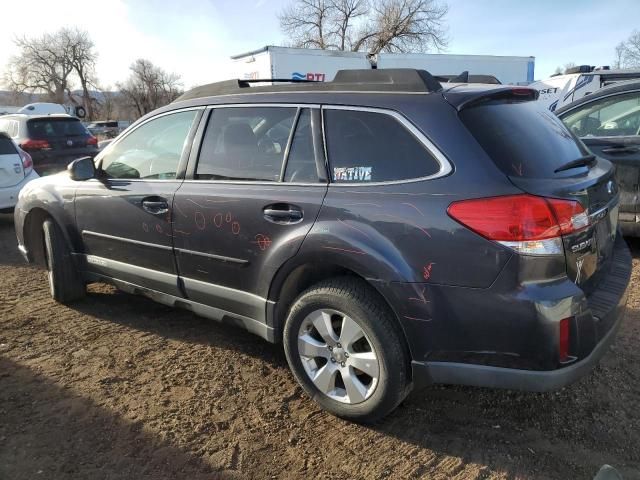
(366, 80)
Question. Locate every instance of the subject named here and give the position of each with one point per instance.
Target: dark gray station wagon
(389, 232)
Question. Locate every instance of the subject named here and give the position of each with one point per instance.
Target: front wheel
(346, 351)
(65, 282)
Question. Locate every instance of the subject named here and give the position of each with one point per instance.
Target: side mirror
(82, 169)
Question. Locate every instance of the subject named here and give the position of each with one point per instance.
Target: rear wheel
(65, 282)
(346, 351)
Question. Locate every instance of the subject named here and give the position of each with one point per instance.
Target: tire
(345, 304)
(65, 282)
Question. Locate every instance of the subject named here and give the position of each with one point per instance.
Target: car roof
(23, 116)
(616, 88)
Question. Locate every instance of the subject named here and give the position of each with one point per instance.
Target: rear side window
(368, 147)
(55, 127)
(524, 139)
(6, 145)
(245, 143)
(301, 163)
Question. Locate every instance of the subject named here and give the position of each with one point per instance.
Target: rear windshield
(524, 139)
(6, 146)
(55, 127)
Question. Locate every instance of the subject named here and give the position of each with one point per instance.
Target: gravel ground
(118, 387)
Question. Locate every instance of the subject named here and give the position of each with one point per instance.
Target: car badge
(69, 143)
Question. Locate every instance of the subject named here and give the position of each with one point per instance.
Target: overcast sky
(195, 38)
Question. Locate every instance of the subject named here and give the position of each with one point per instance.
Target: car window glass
(615, 116)
(6, 145)
(374, 147)
(55, 127)
(301, 163)
(152, 150)
(245, 143)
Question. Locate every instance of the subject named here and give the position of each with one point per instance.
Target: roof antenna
(462, 78)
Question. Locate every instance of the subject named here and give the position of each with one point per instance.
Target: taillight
(35, 145)
(92, 140)
(526, 223)
(27, 162)
(563, 342)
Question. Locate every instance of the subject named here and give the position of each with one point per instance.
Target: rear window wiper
(585, 161)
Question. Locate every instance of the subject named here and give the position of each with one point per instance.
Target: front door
(124, 216)
(248, 202)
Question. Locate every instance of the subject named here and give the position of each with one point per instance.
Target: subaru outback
(390, 232)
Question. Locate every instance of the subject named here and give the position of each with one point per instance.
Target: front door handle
(620, 150)
(282, 214)
(155, 205)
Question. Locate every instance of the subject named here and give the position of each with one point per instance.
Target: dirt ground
(118, 387)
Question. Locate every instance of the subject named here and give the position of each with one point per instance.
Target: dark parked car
(53, 141)
(389, 232)
(608, 122)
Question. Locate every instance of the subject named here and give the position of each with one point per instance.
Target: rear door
(252, 193)
(610, 127)
(11, 171)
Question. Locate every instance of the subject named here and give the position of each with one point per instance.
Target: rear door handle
(155, 205)
(288, 214)
(620, 150)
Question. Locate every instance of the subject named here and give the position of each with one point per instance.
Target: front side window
(151, 151)
(245, 143)
(615, 116)
(368, 147)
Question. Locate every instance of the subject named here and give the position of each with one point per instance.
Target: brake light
(92, 140)
(35, 145)
(525, 223)
(27, 162)
(563, 343)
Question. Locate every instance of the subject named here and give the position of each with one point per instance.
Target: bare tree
(41, 65)
(51, 63)
(149, 87)
(628, 52)
(371, 25)
(81, 55)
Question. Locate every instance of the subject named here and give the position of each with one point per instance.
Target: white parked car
(560, 90)
(16, 170)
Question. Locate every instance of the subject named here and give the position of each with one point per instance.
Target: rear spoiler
(462, 98)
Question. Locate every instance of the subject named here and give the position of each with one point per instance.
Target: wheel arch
(298, 275)
(32, 233)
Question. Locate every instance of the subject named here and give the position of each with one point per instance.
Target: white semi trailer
(322, 65)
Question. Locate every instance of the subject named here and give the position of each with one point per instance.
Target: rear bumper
(54, 161)
(597, 319)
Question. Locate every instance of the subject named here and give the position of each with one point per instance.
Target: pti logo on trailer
(318, 77)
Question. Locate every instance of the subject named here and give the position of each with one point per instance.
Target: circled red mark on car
(217, 220)
(426, 270)
(145, 227)
(346, 250)
(158, 228)
(235, 228)
(228, 217)
(263, 241)
(201, 222)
